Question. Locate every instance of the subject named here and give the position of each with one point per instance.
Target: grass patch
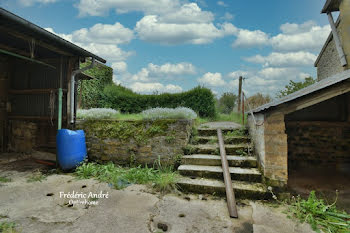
(233, 116)
(8, 227)
(36, 176)
(4, 179)
(129, 117)
(320, 215)
(162, 179)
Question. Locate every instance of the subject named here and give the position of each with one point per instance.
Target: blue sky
(175, 45)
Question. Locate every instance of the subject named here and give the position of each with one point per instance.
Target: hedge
(199, 99)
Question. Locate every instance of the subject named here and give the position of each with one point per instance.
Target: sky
(175, 45)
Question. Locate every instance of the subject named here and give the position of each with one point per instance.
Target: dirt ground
(44, 206)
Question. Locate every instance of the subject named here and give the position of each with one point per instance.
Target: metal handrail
(250, 110)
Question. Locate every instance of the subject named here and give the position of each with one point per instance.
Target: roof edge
(41, 31)
(339, 77)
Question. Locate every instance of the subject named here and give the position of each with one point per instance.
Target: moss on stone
(140, 131)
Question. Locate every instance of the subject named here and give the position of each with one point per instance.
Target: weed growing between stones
(237, 132)
(320, 215)
(36, 176)
(162, 179)
(4, 179)
(8, 227)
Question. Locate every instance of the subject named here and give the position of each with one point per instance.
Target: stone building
(310, 128)
(38, 71)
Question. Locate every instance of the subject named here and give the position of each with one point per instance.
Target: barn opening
(318, 140)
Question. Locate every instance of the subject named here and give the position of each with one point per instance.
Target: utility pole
(239, 93)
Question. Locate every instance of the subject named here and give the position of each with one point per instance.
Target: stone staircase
(201, 166)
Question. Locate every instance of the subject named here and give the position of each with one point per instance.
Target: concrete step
(214, 139)
(213, 132)
(213, 149)
(237, 173)
(215, 160)
(243, 190)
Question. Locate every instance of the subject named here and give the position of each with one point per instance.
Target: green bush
(227, 102)
(199, 99)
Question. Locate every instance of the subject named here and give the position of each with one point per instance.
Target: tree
(227, 102)
(257, 100)
(295, 86)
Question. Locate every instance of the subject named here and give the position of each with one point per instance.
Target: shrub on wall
(199, 99)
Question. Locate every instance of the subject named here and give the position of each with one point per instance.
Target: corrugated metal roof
(331, 5)
(337, 78)
(33, 30)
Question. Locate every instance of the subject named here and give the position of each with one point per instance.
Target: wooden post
(230, 195)
(239, 93)
(337, 40)
(243, 109)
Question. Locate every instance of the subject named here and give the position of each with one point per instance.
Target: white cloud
(306, 37)
(102, 7)
(104, 34)
(154, 87)
(267, 80)
(151, 29)
(294, 37)
(154, 72)
(247, 38)
(212, 79)
(227, 16)
(188, 13)
(284, 59)
(103, 47)
(27, 3)
(221, 3)
(119, 67)
(293, 28)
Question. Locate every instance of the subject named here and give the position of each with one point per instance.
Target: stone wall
(22, 136)
(256, 132)
(276, 149)
(329, 63)
(318, 143)
(270, 145)
(136, 142)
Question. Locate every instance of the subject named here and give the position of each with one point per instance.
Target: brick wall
(318, 143)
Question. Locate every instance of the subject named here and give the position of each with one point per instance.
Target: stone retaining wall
(136, 142)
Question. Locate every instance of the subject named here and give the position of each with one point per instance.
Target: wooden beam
(337, 40)
(34, 91)
(37, 42)
(41, 118)
(14, 50)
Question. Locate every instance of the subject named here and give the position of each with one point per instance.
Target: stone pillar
(344, 28)
(276, 150)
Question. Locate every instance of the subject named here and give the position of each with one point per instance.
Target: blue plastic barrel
(71, 148)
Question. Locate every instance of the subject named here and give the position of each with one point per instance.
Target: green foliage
(237, 132)
(4, 179)
(199, 99)
(257, 100)
(227, 102)
(295, 86)
(163, 179)
(8, 227)
(90, 92)
(36, 176)
(124, 130)
(320, 215)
